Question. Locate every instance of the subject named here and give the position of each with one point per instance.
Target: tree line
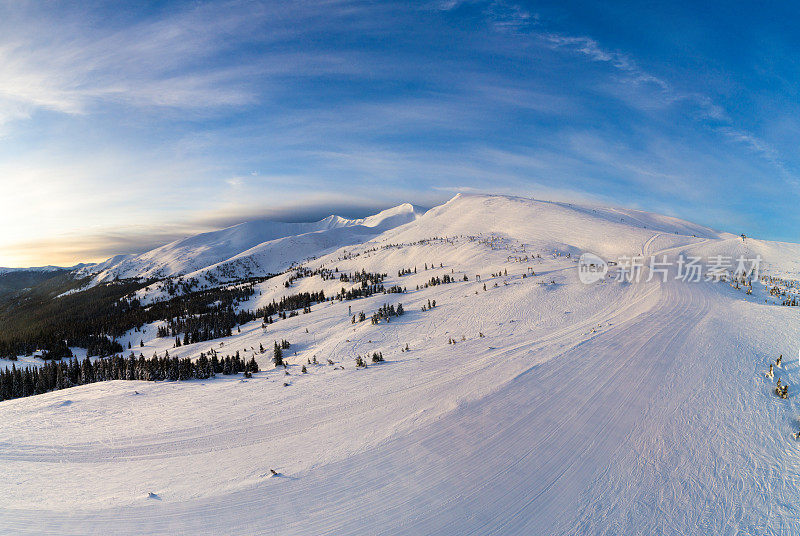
(55, 375)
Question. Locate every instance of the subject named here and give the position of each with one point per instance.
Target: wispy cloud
(178, 60)
(765, 150)
(510, 17)
(77, 67)
(591, 49)
(705, 107)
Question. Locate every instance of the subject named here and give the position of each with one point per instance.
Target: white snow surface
(611, 408)
(264, 246)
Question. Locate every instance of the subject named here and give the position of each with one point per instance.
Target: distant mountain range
(250, 248)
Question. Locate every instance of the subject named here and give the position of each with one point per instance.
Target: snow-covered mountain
(264, 247)
(259, 246)
(513, 399)
(558, 226)
(43, 269)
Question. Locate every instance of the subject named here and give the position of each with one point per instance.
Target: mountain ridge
(194, 253)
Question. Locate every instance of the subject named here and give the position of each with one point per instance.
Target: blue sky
(124, 127)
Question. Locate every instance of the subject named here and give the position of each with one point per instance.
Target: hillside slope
(527, 402)
(560, 227)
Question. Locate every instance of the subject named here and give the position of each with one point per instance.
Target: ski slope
(611, 408)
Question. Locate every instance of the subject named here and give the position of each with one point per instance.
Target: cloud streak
(707, 110)
(160, 61)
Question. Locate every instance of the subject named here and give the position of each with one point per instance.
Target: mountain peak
(238, 242)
